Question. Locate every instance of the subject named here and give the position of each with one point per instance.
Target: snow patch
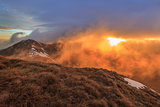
(136, 84)
(35, 52)
(42, 49)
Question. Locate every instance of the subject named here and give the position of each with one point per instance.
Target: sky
(50, 17)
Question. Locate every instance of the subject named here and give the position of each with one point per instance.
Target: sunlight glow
(115, 41)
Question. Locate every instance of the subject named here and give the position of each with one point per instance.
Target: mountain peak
(29, 42)
(31, 48)
(18, 48)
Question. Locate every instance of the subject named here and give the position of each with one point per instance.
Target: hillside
(37, 84)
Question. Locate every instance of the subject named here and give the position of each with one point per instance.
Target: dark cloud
(14, 38)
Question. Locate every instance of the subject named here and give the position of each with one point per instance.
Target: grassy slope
(38, 84)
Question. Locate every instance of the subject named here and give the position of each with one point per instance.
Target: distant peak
(29, 40)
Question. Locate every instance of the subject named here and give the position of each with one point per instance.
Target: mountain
(32, 49)
(38, 84)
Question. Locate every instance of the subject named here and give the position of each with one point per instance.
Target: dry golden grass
(36, 84)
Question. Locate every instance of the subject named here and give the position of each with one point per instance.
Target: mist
(137, 58)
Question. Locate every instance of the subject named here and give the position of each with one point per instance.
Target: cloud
(128, 17)
(5, 27)
(134, 58)
(10, 18)
(14, 39)
(51, 34)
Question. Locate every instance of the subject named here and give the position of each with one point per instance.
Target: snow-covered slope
(37, 52)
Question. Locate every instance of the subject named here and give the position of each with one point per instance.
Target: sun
(115, 41)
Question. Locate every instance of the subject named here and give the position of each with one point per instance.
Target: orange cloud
(136, 58)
